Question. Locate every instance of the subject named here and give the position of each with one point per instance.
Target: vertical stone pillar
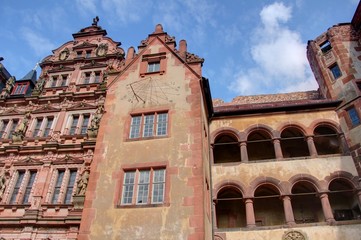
(250, 218)
(278, 149)
(359, 198)
(287, 207)
(311, 146)
(211, 153)
(244, 154)
(326, 207)
(214, 215)
(344, 146)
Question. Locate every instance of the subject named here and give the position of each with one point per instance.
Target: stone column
(311, 146)
(214, 215)
(278, 149)
(287, 207)
(250, 218)
(326, 207)
(244, 153)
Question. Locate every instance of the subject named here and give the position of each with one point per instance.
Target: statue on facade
(19, 133)
(97, 117)
(8, 87)
(39, 86)
(82, 184)
(3, 179)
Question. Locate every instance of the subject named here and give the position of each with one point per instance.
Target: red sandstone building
(108, 145)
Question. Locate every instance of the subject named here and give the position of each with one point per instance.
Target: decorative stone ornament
(294, 235)
(102, 50)
(64, 54)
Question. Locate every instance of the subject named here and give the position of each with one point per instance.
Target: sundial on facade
(151, 91)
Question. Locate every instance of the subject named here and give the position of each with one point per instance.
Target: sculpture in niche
(82, 184)
(8, 87)
(94, 124)
(39, 86)
(19, 133)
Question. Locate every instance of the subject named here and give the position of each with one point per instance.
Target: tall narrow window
(48, 124)
(74, 124)
(14, 124)
(97, 77)
(29, 186)
(20, 88)
(4, 124)
(325, 46)
(64, 79)
(336, 71)
(145, 186)
(135, 127)
(88, 54)
(158, 186)
(153, 67)
(84, 124)
(128, 187)
(70, 187)
(149, 125)
(54, 81)
(37, 128)
(352, 113)
(57, 187)
(17, 186)
(87, 77)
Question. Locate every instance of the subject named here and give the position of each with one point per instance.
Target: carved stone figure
(19, 134)
(3, 180)
(9, 84)
(97, 117)
(82, 184)
(39, 86)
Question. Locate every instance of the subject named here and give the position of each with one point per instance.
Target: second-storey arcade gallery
(108, 145)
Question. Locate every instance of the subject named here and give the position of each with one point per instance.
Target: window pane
(336, 72)
(13, 127)
(128, 187)
(74, 124)
(135, 127)
(37, 126)
(148, 125)
(86, 78)
(143, 187)
(162, 122)
(355, 120)
(4, 124)
(47, 129)
(154, 67)
(29, 186)
(97, 77)
(58, 183)
(53, 82)
(84, 125)
(64, 80)
(70, 187)
(158, 186)
(17, 187)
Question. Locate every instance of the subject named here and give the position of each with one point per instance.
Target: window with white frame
(23, 182)
(8, 126)
(63, 187)
(90, 77)
(58, 80)
(42, 126)
(149, 125)
(78, 124)
(143, 186)
(153, 67)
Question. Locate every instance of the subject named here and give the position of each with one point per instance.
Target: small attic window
(325, 46)
(20, 88)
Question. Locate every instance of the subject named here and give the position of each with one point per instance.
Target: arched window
(343, 200)
(268, 207)
(306, 204)
(230, 209)
(293, 143)
(226, 149)
(326, 140)
(260, 146)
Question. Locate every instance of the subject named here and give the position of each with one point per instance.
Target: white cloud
(279, 55)
(86, 6)
(41, 45)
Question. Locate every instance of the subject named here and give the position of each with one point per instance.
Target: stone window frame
(148, 59)
(64, 184)
(79, 126)
(59, 80)
(333, 73)
(6, 132)
(23, 189)
(20, 88)
(119, 175)
(90, 77)
(141, 127)
(44, 125)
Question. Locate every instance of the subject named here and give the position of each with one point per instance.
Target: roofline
(233, 111)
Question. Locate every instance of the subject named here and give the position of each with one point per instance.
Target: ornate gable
(85, 44)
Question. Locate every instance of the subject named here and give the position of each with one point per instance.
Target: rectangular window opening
(153, 67)
(325, 46)
(149, 125)
(336, 71)
(354, 117)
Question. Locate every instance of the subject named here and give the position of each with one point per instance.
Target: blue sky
(250, 47)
